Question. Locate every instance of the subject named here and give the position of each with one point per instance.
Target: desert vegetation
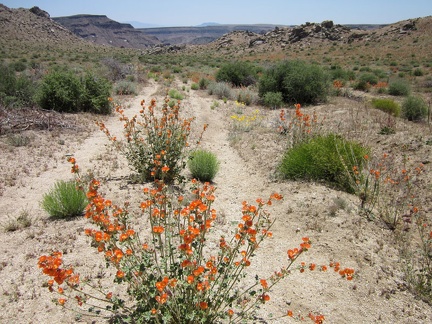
(333, 139)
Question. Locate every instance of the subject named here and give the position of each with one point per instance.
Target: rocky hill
(310, 34)
(32, 26)
(99, 29)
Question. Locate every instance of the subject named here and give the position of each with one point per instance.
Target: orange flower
(109, 295)
(158, 229)
(190, 279)
(120, 274)
(61, 301)
(203, 305)
(230, 312)
(265, 297)
(165, 169)
(264, 283)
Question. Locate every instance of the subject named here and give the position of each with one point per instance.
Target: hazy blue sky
(195, 12)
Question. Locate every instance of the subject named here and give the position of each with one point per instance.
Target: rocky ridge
(100, 29)
(33, 25)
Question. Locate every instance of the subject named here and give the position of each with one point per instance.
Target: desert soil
(378, 294)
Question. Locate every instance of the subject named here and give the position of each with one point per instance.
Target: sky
(196, 12)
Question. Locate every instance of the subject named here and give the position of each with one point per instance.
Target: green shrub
(337, 73)
(19, 66)
(64, 200)
(399, 88)
(203, 165)
(414, 108)
(220, 89)
(203, 83)
(15, 91)
(298, 82)
(370, 78)
(327, 158)
(195, 86)
(387, 105)
(237, 73)
(60, 91)
(273, 100)
(361, 85)
(175, 94)
(418, 72)
(125, 88)
(95, 96)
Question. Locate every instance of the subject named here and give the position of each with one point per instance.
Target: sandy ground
(378, 294)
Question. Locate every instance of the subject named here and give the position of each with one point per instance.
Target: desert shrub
(337, 73)
(273, 100)
(195, 86)
(60, 90)
(247, 96)
(414, 108)
(15, 90)
(19, 66)
(323, 158)
(125, 88)
(203, 165)
(381, 74)
(221, 90)
(64, 200)
(361, 85)
(239, 74)
(175, 94)
(399, 88)
(18, 140)
(117, 70)
(299, 82)
(95, 96)
(418, 72)
(387, 105)
(370, 78)
(203, 83)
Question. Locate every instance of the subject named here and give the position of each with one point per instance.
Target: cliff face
(100, 29)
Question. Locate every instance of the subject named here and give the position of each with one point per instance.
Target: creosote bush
(297, 81)
(15, 91)
(273, 100)
(203, 165)
(64, 200)
(63, 91)
(323, 158)
(399, 88)
(239, 74)
(414, 108)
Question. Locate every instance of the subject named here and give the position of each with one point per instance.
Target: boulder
(39, 12)
(327, 24)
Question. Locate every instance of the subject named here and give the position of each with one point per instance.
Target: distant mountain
(208, 24)
(100, 29)
(139, 24)
(202, 34)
